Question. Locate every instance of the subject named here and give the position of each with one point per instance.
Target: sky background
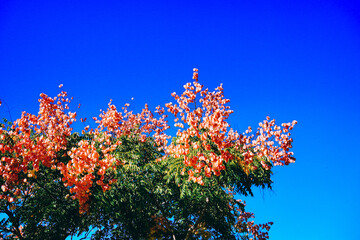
(288, 60)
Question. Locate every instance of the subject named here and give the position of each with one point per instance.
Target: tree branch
(193, 227)
(167, 221)
(14, 223)
(158, 205)
(86, 234)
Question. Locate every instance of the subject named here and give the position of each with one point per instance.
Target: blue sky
(279, 58)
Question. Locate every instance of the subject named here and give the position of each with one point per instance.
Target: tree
(124, 180)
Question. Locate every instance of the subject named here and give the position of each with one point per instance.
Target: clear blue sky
(277, 58)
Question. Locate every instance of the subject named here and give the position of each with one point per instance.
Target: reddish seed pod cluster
(141, 125)
(35, 140)
(112, 125)
(205, 142)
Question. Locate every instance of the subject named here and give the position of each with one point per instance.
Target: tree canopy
(128, 179)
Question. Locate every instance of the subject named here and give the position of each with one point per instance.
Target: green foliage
(150, 200)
